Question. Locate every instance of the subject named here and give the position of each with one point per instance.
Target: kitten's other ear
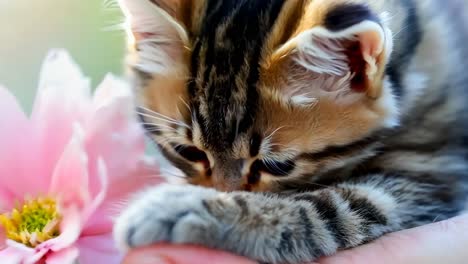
(338, 50)
(158, 31)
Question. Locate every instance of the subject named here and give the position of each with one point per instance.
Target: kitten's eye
(276, 168)
(192, 154)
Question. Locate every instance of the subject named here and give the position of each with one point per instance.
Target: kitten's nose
(227, 175)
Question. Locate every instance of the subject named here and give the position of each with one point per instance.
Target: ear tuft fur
(157, 37)
(342, 64)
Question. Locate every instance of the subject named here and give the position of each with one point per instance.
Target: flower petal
(61, 78)
(11, 114)
(66, 256)
(113, 134)
(98, 249)
(70, 228)
(7, 199)
(21, 253)
(146, 174)
(97, 201)
(16, 149)
(110, 89)
(63, 98)
(20, 247)
(10, 256)
(70, 177)
(2, 238)
(38, 255)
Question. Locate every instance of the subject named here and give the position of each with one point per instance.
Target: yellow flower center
(36, 221)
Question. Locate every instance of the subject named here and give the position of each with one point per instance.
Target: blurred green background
(89, 29)
(29, 28)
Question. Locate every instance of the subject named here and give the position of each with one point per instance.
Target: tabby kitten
(310, 126)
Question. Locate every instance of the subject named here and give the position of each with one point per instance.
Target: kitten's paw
(175, 214)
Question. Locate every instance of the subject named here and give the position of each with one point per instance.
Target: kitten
(309, 126)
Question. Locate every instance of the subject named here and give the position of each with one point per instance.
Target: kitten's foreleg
(278, 228)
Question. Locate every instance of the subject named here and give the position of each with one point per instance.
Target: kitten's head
(248, 95)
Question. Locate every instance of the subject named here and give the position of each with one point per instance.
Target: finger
(442, 242)
(174, 254)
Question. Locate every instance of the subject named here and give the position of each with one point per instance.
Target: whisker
(166, 141)
(116, 26)
(154, 170)
(272, 164)
(273, 133)
(400, 31)
(306, 182)
(110, 4)
(158, 130)
(276, 144)
(160, 126)
(156, 114)
(186, 104)
(172, 173)
(178, 123)
(148, 110)
(180, 147)
(174, 138)
(162, 117)
(180, 113)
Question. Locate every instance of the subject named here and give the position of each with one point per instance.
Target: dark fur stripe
(230, 97)
(409, 39)
(242, 204)
(345, 150)
(369, 212)
(309, 238)
(286, 242)
(327, 210)
(254, 146)
(346, 15)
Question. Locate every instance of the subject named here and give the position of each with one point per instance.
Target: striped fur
(317, 125)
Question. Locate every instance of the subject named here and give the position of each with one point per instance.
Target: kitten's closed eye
(192, 154)
(276, 168)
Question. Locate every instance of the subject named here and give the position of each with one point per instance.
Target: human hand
(181, 254)
(441, 242)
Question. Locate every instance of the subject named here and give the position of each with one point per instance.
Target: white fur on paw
(168, 213)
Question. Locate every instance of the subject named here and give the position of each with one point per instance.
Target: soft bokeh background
(91, 30)
(29, 28)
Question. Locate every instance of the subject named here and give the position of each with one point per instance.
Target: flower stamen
(36, 221)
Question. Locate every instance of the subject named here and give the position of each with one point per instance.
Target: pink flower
(67, 168)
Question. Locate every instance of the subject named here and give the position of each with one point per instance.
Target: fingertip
(178, 254)
(146, 256)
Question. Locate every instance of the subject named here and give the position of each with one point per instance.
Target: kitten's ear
(342, 54)
(158, 31)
